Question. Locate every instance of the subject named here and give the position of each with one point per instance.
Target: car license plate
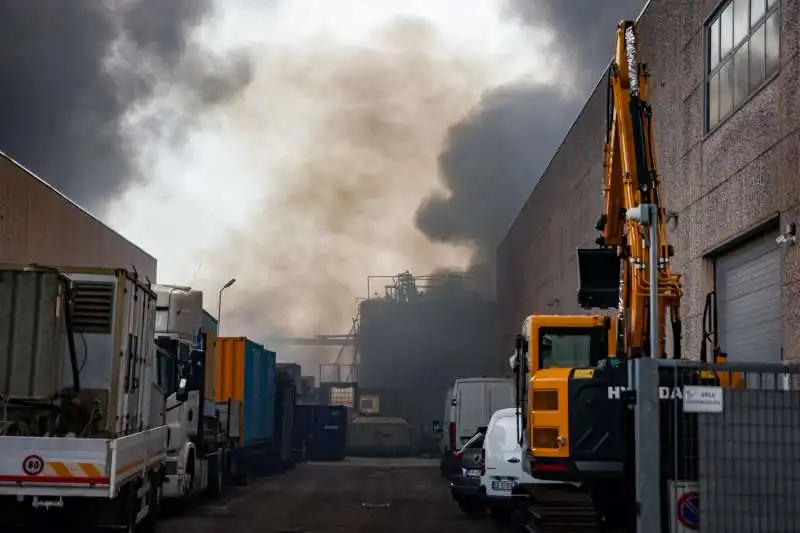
(469, 472)
(503, 485)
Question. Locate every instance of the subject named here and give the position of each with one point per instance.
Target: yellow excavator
(571, 370)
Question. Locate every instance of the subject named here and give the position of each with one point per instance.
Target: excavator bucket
(598, 278)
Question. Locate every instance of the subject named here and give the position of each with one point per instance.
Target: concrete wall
(721, 183)
(40, 225)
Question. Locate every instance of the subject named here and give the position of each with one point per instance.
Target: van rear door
(499, 395)
(470, 410)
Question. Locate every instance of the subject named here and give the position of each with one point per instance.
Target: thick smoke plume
(327, 156)
(348, 193)
(72, 71)
(495, 155)
(347, 146)
(584, 31)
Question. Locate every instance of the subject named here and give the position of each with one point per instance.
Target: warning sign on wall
(684, 506)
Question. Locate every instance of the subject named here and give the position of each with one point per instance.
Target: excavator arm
(617, 273)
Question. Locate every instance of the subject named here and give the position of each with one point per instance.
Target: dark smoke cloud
(496, 154)
(72, 70)
(584, 31)
(491, 161)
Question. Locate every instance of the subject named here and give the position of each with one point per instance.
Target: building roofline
(73, 203)
(566, 136)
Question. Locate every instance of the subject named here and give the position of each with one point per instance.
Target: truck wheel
(188, 480)
(218, 486)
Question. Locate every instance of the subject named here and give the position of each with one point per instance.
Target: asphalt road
(357, 495)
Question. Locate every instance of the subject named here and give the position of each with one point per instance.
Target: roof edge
(73, 203)
(566, 136)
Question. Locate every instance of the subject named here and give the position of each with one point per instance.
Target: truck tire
(217, 486)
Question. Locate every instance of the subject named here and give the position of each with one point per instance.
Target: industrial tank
(379, 437)
(410, 352)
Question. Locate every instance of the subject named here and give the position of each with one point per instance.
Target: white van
(503, 461)
(469, 404)
(503, 454)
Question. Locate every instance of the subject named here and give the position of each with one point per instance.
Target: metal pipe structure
(655, 328)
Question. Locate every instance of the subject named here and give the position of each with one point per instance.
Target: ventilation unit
(92, 307)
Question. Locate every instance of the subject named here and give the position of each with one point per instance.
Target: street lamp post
(219, 305)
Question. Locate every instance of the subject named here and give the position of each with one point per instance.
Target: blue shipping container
(327, 440)
(259, 394)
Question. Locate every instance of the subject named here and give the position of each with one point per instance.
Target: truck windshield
(572, 347)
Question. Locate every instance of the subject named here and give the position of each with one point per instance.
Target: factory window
(743, 45)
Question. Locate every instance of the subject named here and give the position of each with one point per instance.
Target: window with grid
(743, 44)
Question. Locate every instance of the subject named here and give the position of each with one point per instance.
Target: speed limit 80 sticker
(33, 465)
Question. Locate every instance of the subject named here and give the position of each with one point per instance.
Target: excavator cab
(562, 354)
(571, 427)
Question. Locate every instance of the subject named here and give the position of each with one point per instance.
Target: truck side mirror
(197, 358)
(182, 394)
(437, 426)
(196, 369)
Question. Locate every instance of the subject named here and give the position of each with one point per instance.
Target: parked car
(469, 403)
(466, 486)
(502, 463)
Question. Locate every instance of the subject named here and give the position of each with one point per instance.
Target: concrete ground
(356, 495)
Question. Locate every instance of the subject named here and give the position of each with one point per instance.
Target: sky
(297, 145)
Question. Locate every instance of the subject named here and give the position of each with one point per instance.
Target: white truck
(83, 430)
(201, 430)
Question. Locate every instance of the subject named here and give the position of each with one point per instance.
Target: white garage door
(748, 283)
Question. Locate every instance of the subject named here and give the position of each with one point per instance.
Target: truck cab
(197, 438)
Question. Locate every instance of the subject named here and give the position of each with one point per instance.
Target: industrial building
(417, 339)
(38, 224)
(726, 103)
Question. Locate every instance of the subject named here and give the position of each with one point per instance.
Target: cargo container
(210, 331)
(322, 431)
(308, 390)
(303, 429)
(295, 373)
(58, 331)
(286, 401)
(246, 372)
(377, 436)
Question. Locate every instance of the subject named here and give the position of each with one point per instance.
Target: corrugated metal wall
(40, 225)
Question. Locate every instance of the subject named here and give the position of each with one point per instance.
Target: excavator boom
(617, 274)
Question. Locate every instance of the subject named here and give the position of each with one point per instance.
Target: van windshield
(572, 347)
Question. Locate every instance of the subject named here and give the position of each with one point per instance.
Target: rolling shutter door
(748, 284)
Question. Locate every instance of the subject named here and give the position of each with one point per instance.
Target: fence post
(643, 378)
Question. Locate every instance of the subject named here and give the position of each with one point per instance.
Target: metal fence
(718, 446)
